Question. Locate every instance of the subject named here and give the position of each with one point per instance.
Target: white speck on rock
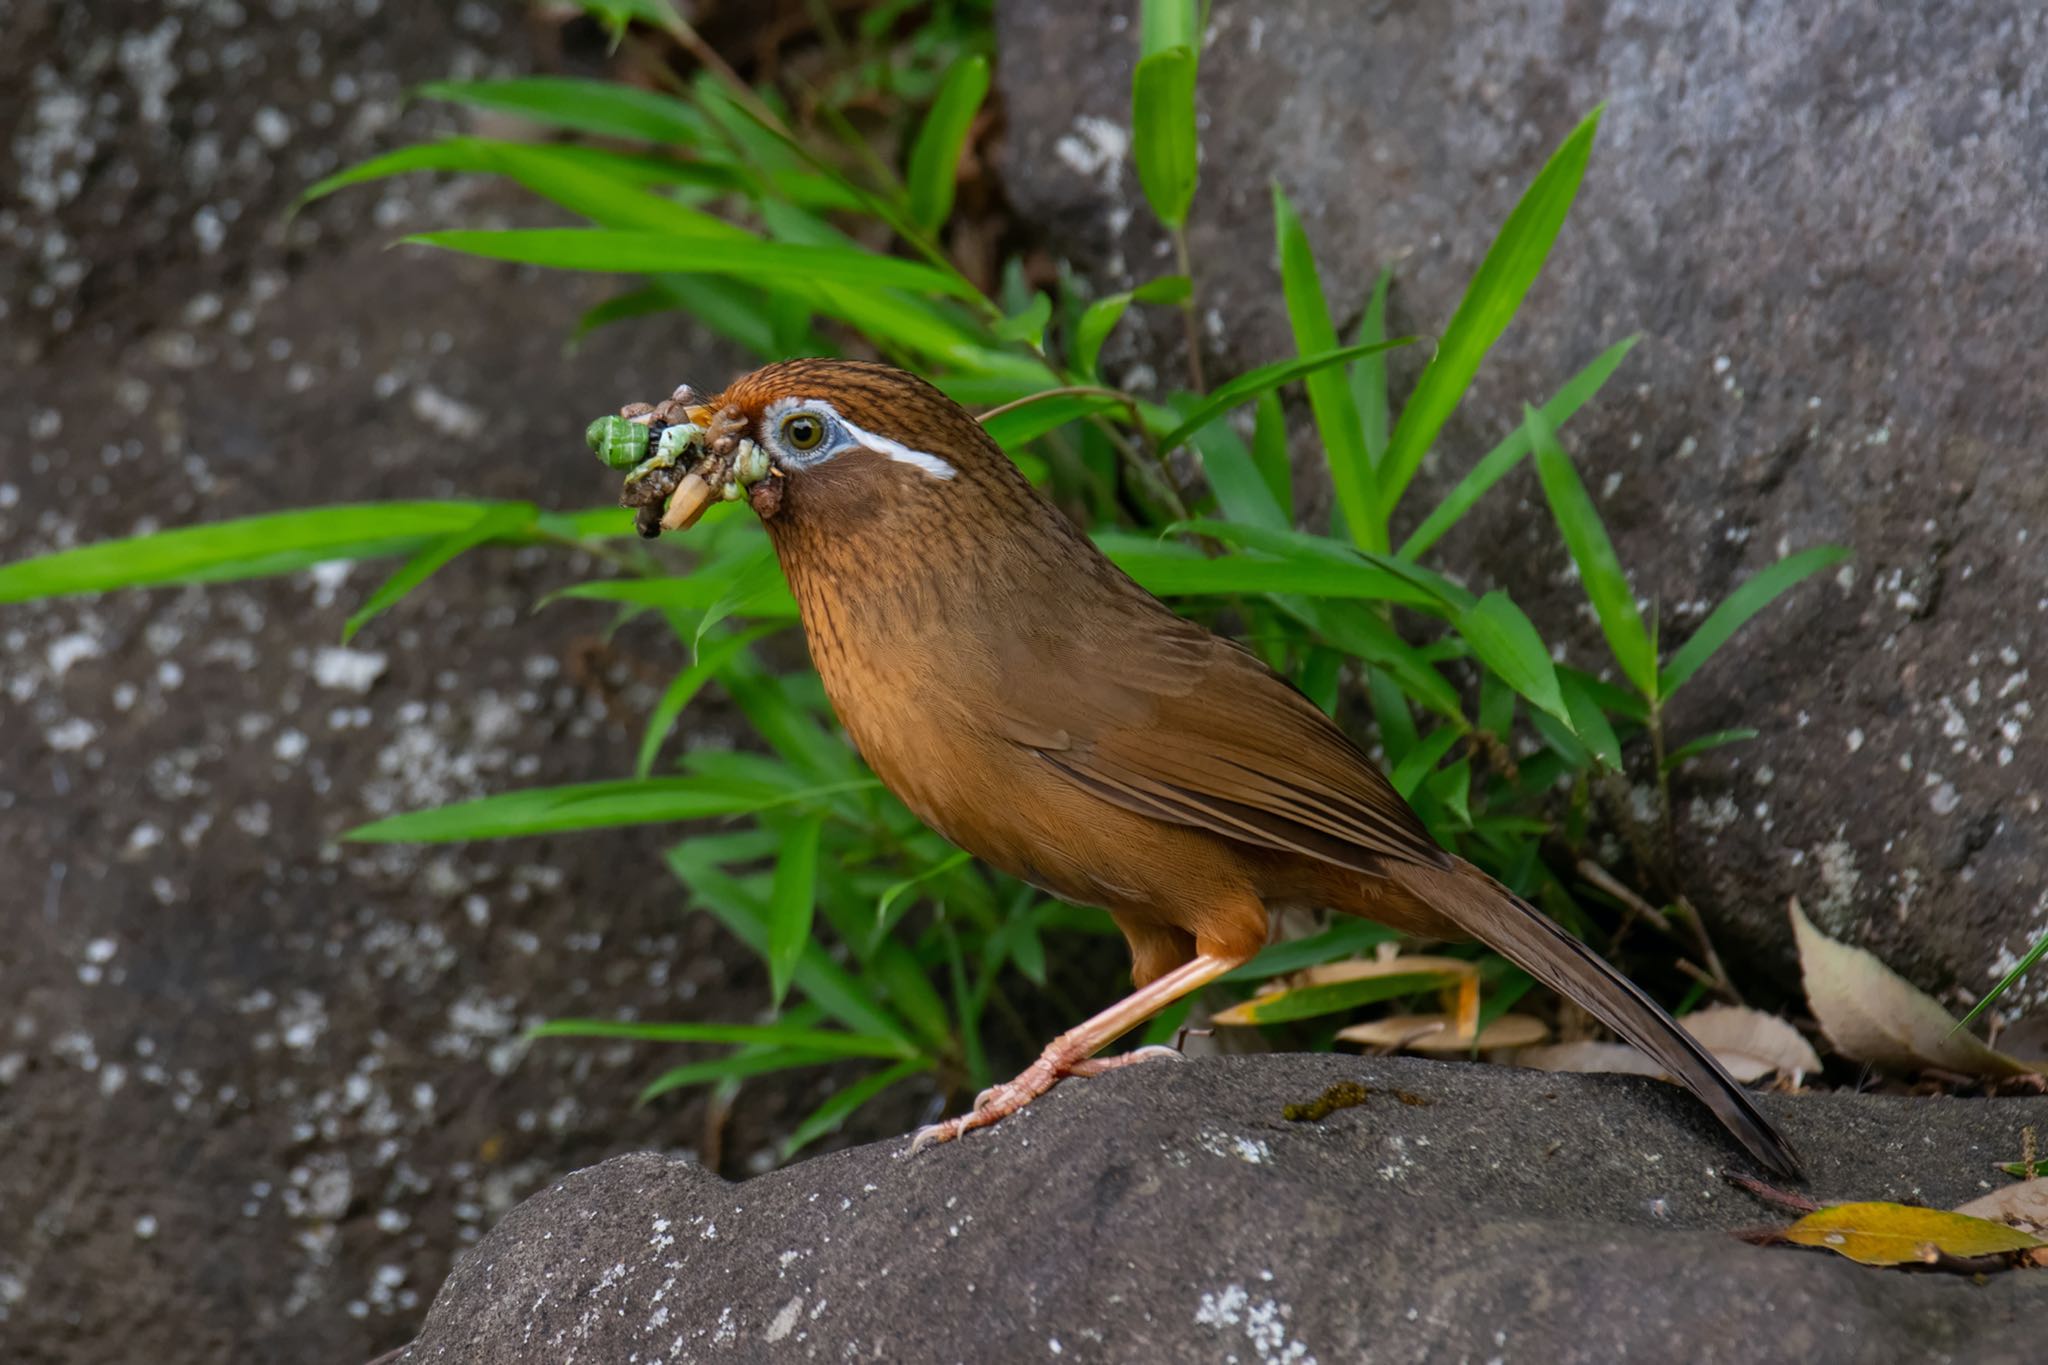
(71, 735)
(1945, 800)
(447, 414)
(1095, 147)
(784, 1321)
(349, 670)
(67, 650)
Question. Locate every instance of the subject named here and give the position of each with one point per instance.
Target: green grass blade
(935, 157)
(1364, 634)
(2005, 983)
(794, 269)
(791, 903)
(1499, 462)
(1490, 302)
(776, 1035)
(830, 1116)
(606, 108)
(252, 547)
(1600, 571)
(1507, 643)
(1737, 608)
(1329, 394)
(1265, 379)
(1163, 131)
(496, 523)
(1695, 747)
(588, 805)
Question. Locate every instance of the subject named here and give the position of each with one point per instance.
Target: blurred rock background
(1826, 222)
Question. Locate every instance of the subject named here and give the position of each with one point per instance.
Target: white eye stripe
(922, 461)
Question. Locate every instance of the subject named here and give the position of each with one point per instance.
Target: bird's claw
(998, 1102)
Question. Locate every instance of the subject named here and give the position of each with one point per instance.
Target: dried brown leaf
(1872, 1014)
(1590, 1057)
(1440, 1033)
(2023, 1206)
(1750, 1043)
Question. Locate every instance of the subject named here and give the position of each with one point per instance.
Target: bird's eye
(802, 431)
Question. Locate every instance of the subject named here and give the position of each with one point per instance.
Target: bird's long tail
(1530, 939)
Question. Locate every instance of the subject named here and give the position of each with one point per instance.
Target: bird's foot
(998, 1102)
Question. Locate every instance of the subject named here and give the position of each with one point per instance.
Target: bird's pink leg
(1073, 1052)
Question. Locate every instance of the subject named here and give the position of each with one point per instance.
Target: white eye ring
(840, 436)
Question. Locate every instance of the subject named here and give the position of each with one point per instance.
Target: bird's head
(853, 444)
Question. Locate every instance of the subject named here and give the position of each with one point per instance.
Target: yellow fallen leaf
(1899, 1234)
(1441, 1033)
(2023, 1206)
(1872, 1014)
(1339, 986)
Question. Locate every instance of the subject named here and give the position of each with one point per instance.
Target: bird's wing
(1160, 716)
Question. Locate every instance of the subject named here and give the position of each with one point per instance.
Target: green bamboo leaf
(1421, 760)
(935, 157)
(1028, 324)
(1163, 132)
(1507, 643)
(607, 187)
(745, 914)
(752, 1061)
(791, 903)
(1502, 459)
(1329, 396)
(1369, 376)
(1168, 23)
(1600, 571)
(1490, 302)
(811, 1040)
(794, 269)
(1265, 379)
(1269, 451)
(496, 523)
(897, 892)
(1345, 939)
(830, 1116)
(1391, 715)
(1234, 477)
(1336, 997)
(623, 307)
(1451, 788)
(1733, 613)
(606, 108)
(1167, 570)
(588, 805)
(1021, 425)
(251, 547)
(710, 661)
(1695, 747)
(1362, 633)
(1588, 721)
(1100, 318)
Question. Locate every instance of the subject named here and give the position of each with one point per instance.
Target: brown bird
(1039, 709)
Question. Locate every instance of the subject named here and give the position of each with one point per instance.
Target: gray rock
(257, 1086)
(1170, 1212)
(1825, 220)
